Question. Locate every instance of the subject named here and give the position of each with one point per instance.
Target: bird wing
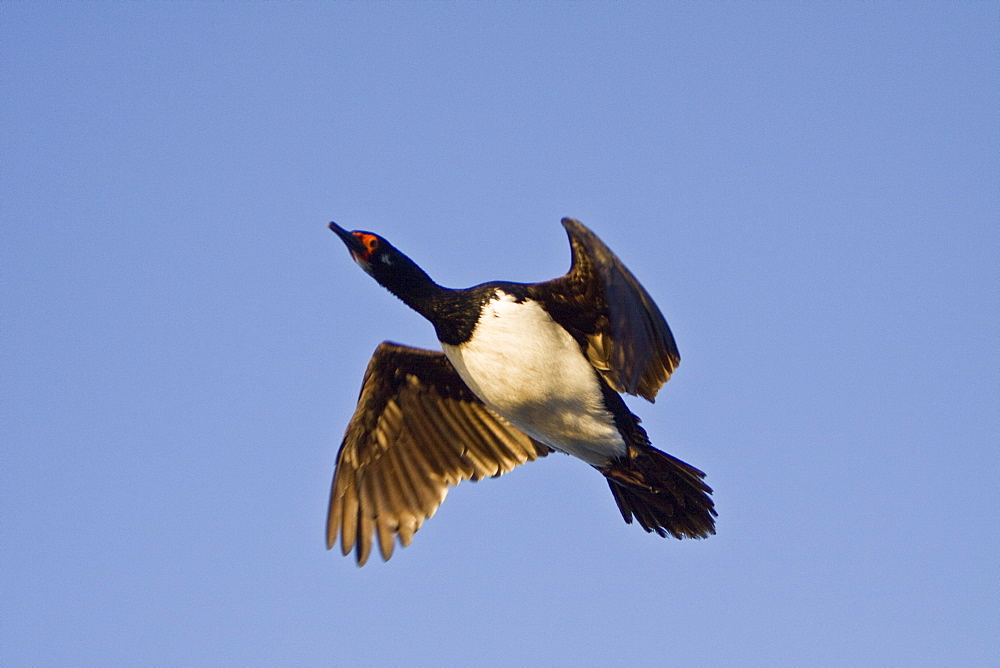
(417, 430)
(629, 341)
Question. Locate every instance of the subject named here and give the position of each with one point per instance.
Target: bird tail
(663, 493)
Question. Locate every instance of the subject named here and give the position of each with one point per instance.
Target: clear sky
(809, 190)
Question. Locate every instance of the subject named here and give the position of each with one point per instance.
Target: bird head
(367, 249)
(383, 262)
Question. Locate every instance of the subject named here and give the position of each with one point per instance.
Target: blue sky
(810, 191)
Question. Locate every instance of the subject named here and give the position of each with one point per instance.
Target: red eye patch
(370, 242)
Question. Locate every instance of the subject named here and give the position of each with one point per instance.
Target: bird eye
(371, 243)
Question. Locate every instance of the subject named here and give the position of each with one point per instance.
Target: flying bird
(526, 369)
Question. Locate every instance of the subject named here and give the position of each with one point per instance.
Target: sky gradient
(809, 191)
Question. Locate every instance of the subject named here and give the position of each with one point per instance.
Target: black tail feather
(665, 495)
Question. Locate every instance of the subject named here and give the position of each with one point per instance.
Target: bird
(524, 370)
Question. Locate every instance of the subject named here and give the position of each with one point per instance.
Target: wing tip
(574, 227)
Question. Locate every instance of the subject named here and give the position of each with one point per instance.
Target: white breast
(528, 369)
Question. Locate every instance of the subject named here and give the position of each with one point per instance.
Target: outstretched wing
(627, 338)
(417, 430)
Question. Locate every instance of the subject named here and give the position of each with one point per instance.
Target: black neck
(412, 285)
(453, 313)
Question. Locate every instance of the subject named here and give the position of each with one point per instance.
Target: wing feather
(620, 327)
(417, 430)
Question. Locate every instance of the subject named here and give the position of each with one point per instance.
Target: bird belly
(527, 368)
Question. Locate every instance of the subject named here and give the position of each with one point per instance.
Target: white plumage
(528, 368)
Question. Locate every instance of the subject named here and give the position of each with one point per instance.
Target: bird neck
(414, 287)
(453, 312)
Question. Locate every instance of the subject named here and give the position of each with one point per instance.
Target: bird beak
(352, 242)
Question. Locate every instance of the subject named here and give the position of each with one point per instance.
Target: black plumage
(419, 428)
